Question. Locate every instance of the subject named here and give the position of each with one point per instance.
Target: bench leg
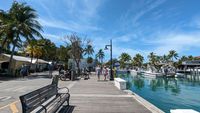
(67, 102)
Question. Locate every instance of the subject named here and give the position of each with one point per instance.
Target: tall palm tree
(165, 58)
(154, 61)
(152, 58)
(101, 55)
(6, 29)
(124, 58)
(190, 57)
(138, 60)
(21, 19)
(30, 49)
(173, 54)
(89, 50)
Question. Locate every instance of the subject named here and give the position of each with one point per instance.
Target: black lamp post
(111, 63)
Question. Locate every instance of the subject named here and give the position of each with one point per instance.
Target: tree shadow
(66, 109)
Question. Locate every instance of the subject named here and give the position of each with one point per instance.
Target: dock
(93, 96)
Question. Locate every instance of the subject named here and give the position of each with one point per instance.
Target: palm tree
(172, 54)
(124, 58)
(89, 50)
(138, 60)
(165, 58)
(190, 57)
(152, 58)
(6, 29)
(35, 49)
(30, 49)
(154, 61)
(20, 23)
(101, 55)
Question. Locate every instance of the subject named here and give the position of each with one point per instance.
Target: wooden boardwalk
(92, 96)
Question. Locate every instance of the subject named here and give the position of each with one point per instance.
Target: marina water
(166, 93)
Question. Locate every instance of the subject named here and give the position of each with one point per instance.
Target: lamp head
(106, 48)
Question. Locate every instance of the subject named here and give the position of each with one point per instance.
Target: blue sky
(135, 26)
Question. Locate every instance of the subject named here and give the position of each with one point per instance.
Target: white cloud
(125, 38)
(144, 10)
(70, 26)
(57, 39)
(75, 16)
(195, 22)
(86, 9)
(175, 41)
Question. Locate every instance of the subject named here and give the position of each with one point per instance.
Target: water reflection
(138, 82)
(166, 83)
(155, 84)
(167, 93)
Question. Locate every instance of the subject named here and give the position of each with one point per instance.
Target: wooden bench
(47, 99)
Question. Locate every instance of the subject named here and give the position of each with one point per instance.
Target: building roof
(19, 58)
(26, 59)
(192, 63)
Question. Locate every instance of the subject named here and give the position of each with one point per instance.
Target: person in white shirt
(98, 72)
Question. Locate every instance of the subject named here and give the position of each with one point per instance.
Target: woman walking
(98, 72)
(105, 72)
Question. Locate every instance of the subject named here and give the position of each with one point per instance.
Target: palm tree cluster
(124, 59)
(17, 24)
(172, 58)
(138, 60)
(20, 30)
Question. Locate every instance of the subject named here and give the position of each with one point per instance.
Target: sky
(135, 26)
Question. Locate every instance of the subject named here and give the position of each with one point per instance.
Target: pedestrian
(61, 68)
(105, 72)
(23, 71)
(98, 72)
(50, 70)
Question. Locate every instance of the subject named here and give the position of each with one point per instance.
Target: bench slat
(35, 98)
(47, 96)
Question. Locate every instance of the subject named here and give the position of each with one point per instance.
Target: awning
(34, 61)
(2, 61)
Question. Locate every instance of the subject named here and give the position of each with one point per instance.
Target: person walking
(60, 69)
(22, 71)
(105, 72)
(50, 70)
(98, 72)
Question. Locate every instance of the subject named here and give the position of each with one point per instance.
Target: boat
(134, 72)
(180, 75)
(153, 74)
(183, 111)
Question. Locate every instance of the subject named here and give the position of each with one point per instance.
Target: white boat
(183, 111)
(180, 75)
(134, 72)
(170, 75)
(149, 73)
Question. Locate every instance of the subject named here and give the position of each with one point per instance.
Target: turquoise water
(166, 93)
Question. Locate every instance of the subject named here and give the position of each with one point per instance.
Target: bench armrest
(64, 88)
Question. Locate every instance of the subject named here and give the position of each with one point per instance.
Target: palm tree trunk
(78, 67)
(10, 71)
(37, 64)
(102, 62)
(31, 58)
(3, 44)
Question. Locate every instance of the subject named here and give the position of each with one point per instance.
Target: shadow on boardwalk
(67, 109)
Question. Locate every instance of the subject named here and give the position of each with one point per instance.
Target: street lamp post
(111, 63)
